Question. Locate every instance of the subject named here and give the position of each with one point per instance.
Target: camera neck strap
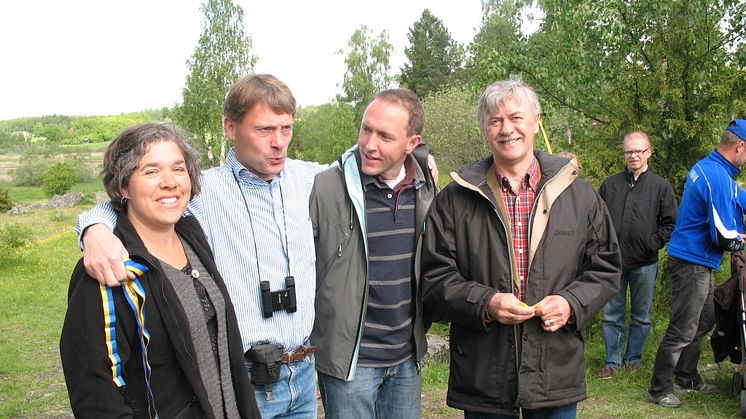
(285, 248)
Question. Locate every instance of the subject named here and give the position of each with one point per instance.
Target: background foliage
(58, 178)
(433, 56)
(368, 68)
(608, 67)
(222, 56)
(676, 69)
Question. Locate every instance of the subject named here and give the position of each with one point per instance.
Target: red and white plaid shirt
(519, 205)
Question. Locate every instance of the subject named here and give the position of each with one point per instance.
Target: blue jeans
(641, 283)
(692, 317)
(293, 396)
(565, 412)
(389, 392)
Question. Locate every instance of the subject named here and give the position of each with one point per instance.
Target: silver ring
(550, 322)
(512, 316)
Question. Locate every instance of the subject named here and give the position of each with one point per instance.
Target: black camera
(278, 300)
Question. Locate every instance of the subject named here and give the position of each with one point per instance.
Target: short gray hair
(500, 92)
(124, 153)
(640, 134)
(729, 139)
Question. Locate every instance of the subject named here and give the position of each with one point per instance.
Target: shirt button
(520, 251)
(389, 196)
(519, 224)
(521, 277)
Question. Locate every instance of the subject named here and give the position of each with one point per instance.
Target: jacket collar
(349, 162)
(475, 173)
(717, 157)
(130, 239)
(133, 243)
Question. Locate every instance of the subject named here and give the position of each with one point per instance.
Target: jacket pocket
(334, 253)
(481, 364)
(190, 411)
(563, 360)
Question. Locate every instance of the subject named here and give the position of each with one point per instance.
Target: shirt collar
(241, 172)
(532, 174)
(413, 176)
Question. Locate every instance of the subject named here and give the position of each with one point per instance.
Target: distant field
(8, 162)
(90, 154)
(85, 148)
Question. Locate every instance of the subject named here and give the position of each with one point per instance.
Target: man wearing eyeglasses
(710, 222)
(643, 208)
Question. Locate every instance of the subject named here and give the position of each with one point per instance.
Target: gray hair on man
(499, 92)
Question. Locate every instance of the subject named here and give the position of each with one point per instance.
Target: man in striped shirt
(367, 214)
(254, 211)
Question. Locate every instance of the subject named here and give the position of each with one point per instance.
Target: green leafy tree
(322, 133)
(5, 202)
(35, 160)
(666, 67)
(58, 179)
(368, 68)
(13, 236)
(451, 128)
(498, 40)
(221, 57)
(433, 56)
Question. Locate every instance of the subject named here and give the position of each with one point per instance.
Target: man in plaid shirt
(519, 254)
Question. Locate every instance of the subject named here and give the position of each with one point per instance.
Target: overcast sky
(94, 57)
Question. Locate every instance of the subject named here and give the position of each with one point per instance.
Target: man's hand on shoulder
(104, 256)
(433, 166)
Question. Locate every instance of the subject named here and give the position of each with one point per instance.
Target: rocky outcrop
(58, 201)
(437, 348)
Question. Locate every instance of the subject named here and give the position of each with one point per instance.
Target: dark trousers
(692, 317)
(563, 412)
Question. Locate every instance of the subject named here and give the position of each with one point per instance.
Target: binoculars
(278, 300)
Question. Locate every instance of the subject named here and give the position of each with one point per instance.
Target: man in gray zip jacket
(367, 212)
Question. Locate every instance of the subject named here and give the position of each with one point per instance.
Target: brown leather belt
(298, 355)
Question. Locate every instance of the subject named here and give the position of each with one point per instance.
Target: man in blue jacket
(710, 221)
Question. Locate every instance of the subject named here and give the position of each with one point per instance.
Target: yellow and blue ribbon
(136, 268)
(134, 294)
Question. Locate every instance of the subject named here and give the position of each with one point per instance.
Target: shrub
(5, 202)
(12, 237)
(58, 179)
(30, 173)
(83, 174)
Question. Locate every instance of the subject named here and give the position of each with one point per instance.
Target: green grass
(33, 296)
(85, 148)
(33, 292)
(25, 195)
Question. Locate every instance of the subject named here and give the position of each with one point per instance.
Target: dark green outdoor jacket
(467, 258)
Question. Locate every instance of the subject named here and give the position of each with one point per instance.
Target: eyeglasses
(636, 152)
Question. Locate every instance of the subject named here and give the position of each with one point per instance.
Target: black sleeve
(86, 359)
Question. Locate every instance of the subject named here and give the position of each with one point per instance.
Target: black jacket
(644, 214)
(175, 379)
(467, 258)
